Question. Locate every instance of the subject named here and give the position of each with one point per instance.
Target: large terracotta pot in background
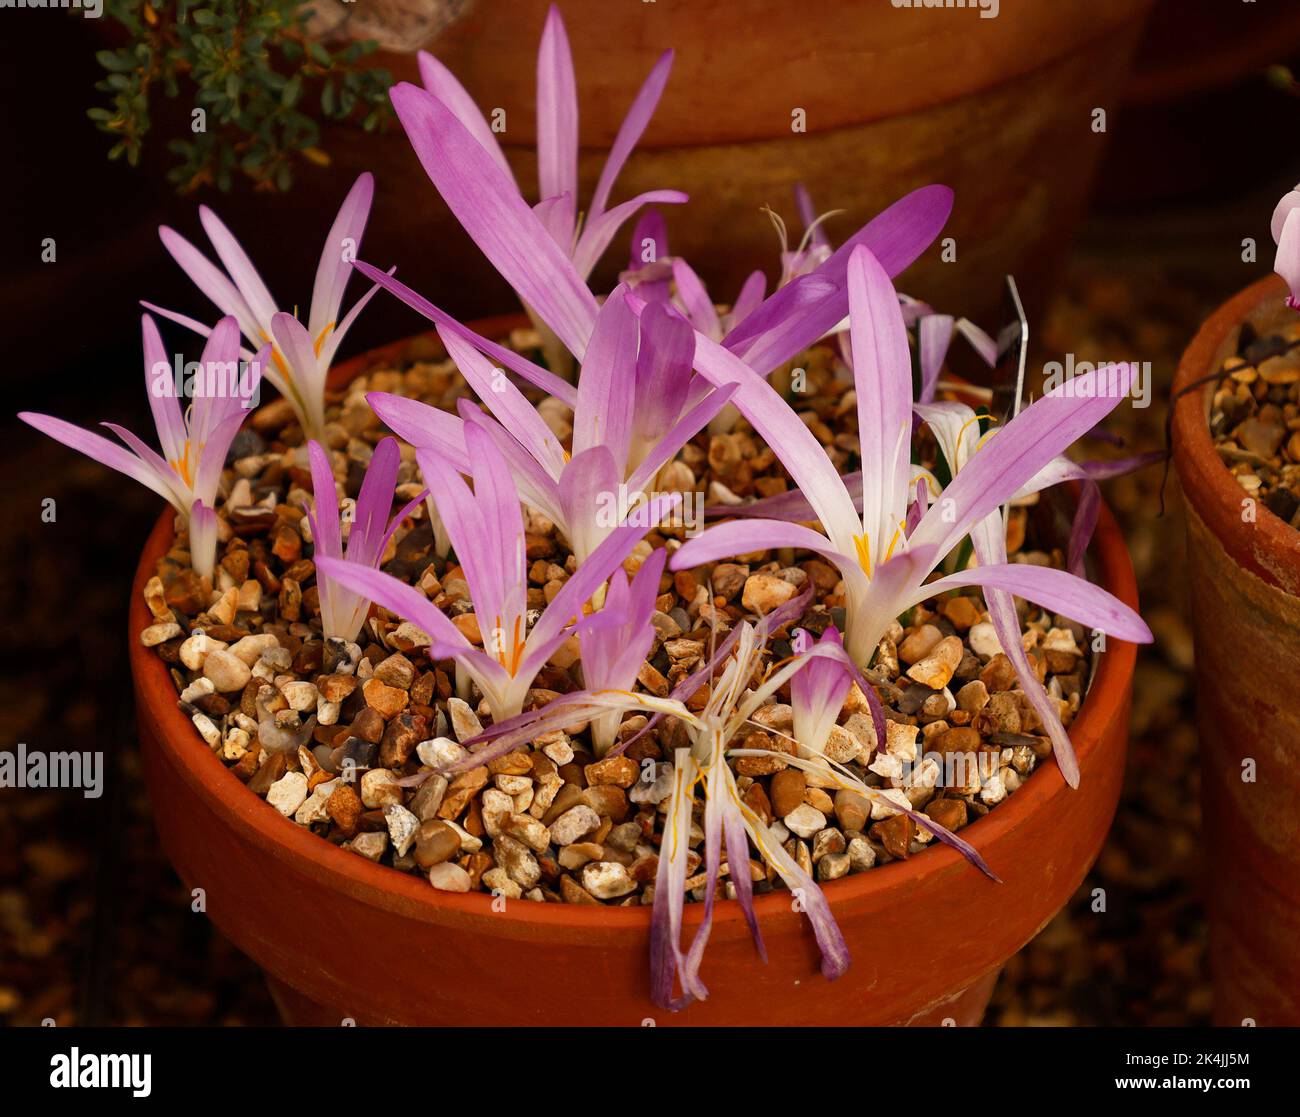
(1245, 593)
(341, 937)
(998, 109)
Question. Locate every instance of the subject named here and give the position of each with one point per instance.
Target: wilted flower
(742, 687)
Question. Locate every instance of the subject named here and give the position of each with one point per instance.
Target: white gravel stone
(881, 810)
(402, 825)
(327, 713)
(227, 672)
(194, 650)
(805, 820)
(300, 695)
(464, 721)
(199, 688)
(574, 824)
(235, 745)
(207, 730)
(450, 877)
(994, 790)
(607, 880)
(155, 634)
(983, 640)
(379, 788)
(861, 855)
(370, 845)
(315, 808)
(499, 884)
(440, 752)
(286, 795)
(250, 648)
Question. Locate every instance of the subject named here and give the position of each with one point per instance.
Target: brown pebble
(787, 791)
(435, 842)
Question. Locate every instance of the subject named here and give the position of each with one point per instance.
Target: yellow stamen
(863, 544)
(321, 339)
(182, 467)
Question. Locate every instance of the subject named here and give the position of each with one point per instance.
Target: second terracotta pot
(1244, 566)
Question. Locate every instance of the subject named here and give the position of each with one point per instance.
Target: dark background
(94, 927)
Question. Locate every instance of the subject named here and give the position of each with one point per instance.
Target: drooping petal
(423, 426)
(667, 961)
(488, 206)
(988, 539)
(397, 597)
(1055, 590)
(342, 243)
(741, 537)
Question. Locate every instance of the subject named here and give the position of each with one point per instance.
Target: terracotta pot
(342, 937)
(1245, 592)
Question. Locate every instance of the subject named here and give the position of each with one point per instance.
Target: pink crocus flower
(1285, 228)
(615, 641)
(194, 443)
(884, 555)
(636, 404)
(579, 236)
(817, 693)
(302, 354)
(343, 611)
(487, 533)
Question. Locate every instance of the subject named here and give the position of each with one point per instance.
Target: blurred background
(1112, 154)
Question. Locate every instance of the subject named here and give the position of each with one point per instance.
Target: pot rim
(1272, 549)
(412, 895)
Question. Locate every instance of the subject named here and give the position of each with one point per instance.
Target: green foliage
(262, 86)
